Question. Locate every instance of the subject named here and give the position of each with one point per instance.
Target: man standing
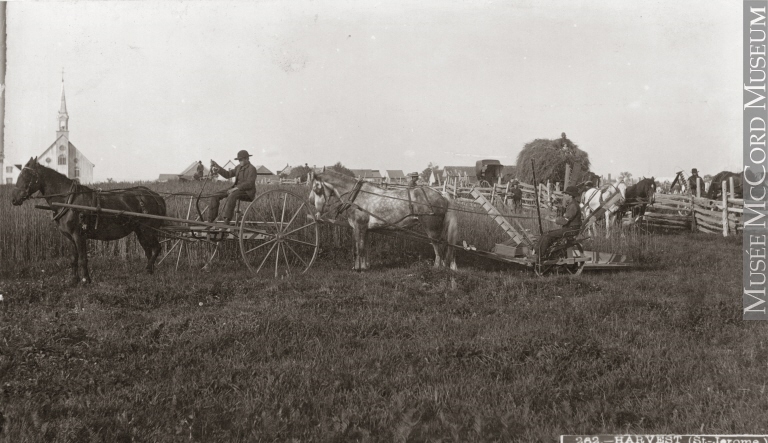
(570, 221)
(244, 188)
(200, 170)
(414, 179)
(693, 181)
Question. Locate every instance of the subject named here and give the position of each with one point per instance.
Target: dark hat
(413, 174)
(589, 183)
(242, 154)
(573, 191)
(694, 171)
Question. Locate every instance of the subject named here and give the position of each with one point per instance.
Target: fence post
(725, 210)
(506, 194)
(549, 193)
(455, 187)
(694, 228)
(732, 189)
(698, 187)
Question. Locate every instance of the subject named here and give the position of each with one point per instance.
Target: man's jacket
(245, 178)
(692, 182)
(573, 215)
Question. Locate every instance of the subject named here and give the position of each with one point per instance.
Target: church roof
(50, 150)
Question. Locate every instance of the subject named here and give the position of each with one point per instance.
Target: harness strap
(347, 204)
(72, 191)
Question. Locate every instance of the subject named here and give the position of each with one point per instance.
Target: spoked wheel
(278, 234)
(575, 251)
(484, 184)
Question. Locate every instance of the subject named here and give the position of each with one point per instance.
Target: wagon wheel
(484, 184)
(278, 234)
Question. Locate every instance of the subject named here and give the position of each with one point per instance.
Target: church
(61, 155)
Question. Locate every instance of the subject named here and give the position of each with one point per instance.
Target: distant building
(395, 176)
(369, 175)
(189, 173)
(61, 155)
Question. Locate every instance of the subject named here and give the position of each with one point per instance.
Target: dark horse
(715, 187)
(637, 197)
(369, 208)
(78, 226)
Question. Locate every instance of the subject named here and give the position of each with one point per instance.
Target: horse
(637, 197)
(593, 198)
(715, 187)
(78, 226)
(371, 208)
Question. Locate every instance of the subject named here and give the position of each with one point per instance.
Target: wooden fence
(669, 211)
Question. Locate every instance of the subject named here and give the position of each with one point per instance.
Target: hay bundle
(550, 157)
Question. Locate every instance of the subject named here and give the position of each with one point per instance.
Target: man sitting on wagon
(244, 188)
(570, 221)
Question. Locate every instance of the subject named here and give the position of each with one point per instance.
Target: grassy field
(400, 353)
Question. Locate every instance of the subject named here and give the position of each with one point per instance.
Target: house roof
(192, 169)
(366, 173)
(391, 173)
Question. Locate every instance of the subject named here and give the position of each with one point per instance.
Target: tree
(624, 176)
(300, 172)
(550, 157)
(427, 172)
(341, 169)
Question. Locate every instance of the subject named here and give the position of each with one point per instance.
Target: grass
(400, 353)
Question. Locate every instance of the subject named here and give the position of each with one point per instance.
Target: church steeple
(63, 126)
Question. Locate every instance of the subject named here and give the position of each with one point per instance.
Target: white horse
(593, 198)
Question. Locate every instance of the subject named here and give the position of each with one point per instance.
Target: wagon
(488, 172)
(276, 232)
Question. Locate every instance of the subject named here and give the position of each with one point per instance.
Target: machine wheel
(565, 269)
(278, 234)
(484, 184)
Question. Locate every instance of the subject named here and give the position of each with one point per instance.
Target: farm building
(369, 175)
(61, 155)
(394, 176)
(189, 172)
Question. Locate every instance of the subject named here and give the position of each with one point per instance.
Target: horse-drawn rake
(276, 233)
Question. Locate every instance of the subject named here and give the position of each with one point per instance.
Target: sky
(645, 87)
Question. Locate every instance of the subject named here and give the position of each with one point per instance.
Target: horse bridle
(29, 192)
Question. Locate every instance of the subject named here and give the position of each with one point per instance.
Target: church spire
(63, 115)
(63, 109)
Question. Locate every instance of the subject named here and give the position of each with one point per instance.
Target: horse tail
(450, 236)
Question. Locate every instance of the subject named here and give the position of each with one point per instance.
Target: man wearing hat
(570, 221)
(244, 188)
(414, 179)
(693, 181)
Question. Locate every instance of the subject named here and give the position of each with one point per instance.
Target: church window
(8, 181)
(48, 160)
(77, 172)
(75, 160)
(62, 160)
(9, 169)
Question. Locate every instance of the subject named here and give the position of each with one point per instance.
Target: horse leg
(450, 235)
(359, 233)
(148, 241)
(75, 254)
(81, 243)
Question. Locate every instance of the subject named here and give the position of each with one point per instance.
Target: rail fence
(669, 211)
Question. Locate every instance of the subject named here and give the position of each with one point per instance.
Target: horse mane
(722, 175)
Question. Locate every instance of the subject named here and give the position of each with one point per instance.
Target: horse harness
(345, 205)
